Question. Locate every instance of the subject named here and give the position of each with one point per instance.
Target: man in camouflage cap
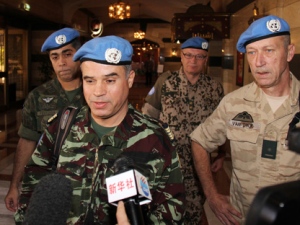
(107, 128)
(184, 99)
(255, 119)
(45, 100)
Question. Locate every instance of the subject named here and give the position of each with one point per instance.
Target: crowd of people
(186, 116)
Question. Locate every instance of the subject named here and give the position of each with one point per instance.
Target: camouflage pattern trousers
(194, 193)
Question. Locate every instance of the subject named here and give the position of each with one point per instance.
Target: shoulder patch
(152, 91)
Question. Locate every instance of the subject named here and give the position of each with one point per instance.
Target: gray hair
(127, 68)
(286, 41)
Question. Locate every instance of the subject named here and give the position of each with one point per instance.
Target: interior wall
(288, 9)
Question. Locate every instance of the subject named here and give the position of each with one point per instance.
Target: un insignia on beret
(60, 39)
(113, 55)
(265, 27)
(273, 25)
(205, 45)
(110, 50)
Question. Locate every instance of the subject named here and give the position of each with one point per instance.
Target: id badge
(269, 149)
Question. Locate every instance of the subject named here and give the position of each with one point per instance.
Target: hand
(217, 164)
(224, 211)
(11, 199)
(121, 214)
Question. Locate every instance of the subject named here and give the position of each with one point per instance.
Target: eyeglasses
(191, 56)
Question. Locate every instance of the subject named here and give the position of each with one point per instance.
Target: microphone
(50, 202)
(293, 136)
(130, 186)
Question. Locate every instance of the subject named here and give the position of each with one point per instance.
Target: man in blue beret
(184, 99)
(44, 101)
(255, 119)
(108, 128)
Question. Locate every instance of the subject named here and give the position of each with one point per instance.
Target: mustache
(98, 99)
(261, 71)
(64, 70)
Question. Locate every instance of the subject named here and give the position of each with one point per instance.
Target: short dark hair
(76, 43)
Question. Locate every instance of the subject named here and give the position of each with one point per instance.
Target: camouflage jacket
(181, 105)
(245, 117)
(87, 161)
(42, 103)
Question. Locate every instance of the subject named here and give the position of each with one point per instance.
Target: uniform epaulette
(168, 131)
(51, 118)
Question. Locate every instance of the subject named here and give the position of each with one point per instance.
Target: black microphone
(293, 136)
(131, 187)
(50, 202)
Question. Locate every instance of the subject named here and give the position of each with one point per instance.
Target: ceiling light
(119, 10)
(24, 6)
(139, 34)
(255, 16)
(255, 10)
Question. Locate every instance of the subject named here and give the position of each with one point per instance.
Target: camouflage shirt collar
(122, 131)
(185, 80)
(183, 77)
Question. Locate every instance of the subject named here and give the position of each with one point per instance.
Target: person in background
(46, 100)
(184, 99)
(149, 67)
(103, 131)
(255, 119)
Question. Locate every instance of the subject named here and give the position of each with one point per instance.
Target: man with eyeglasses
(184, 99)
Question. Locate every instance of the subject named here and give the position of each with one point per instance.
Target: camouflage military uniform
(246, 119)
(184, 106)
(87, 161)
(42, 103)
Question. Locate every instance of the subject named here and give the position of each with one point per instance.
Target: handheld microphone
(50, 202)
(130, 186)
(293, 136)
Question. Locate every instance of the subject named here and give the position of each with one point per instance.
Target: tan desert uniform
(246, 119)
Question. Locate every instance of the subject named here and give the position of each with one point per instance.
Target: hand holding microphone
(131, 187)
(121, 214)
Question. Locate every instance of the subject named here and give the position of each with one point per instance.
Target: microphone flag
(128, 184)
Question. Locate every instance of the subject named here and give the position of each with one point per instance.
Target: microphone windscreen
(50, 202)
(122, 164)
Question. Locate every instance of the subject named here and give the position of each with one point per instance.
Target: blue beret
(195, 42)
(268, 26)
(110, 50)
(59, 39)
